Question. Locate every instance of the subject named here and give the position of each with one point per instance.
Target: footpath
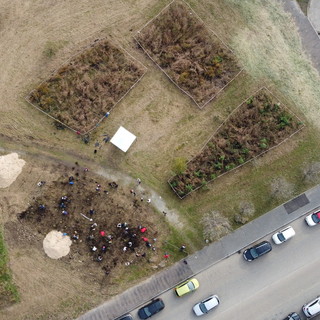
(208, 256)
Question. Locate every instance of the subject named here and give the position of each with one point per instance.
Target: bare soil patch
(82, 91)
(109, 226)
(196, 60)
(257, 125)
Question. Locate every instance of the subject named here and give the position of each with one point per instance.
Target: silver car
(206, 305)
(283, 235)
(312, 308)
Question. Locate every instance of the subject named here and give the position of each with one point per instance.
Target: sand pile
(10, 167)
(56, 245)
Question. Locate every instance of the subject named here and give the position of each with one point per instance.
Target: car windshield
(281, 237)
(316, 217)
(203, 308)
(254, 253)
(191, 285)
(147, 311)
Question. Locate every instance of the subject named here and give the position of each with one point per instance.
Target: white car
(313, 218)
(283, 235)
(312, 308)
(206, 305)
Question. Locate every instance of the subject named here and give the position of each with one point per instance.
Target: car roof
(211, 302)
(314, 306)
(262, 246)
(288, 231)
(184, 288)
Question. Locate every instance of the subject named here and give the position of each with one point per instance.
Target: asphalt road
(268, 288)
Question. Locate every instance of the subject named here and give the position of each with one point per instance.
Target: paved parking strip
(309, 37)
(203, 259)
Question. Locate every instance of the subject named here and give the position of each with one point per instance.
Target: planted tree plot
(257, 125)
(82, 91)
(191, 56)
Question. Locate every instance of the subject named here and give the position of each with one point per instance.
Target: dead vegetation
(82, 91)
(194, 58)
(258, 124)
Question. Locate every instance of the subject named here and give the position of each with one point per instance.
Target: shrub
(311, 172)
(218, 165)
(230, 166)
(246, 211)
(263, 143)
(198, 174)
(281, 189)
(179, 165)
(215, 225)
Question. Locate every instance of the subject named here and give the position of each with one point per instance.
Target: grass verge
(8, 291)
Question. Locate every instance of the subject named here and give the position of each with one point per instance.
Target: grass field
(167, 125)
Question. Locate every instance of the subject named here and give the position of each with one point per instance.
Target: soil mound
(10, 167)
(56, 244)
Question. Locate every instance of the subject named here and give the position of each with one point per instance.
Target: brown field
(38, 37)
(195, 59)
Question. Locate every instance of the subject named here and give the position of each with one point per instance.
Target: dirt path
(156, 200)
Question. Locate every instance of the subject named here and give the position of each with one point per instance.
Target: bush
(311, 172)
(246, 211)
(215, 225)
(179, 165)
(281, 189)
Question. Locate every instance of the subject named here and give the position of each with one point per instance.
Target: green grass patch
(52, 47)
(8, 291)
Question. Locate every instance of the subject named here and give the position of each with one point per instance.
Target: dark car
(292, 316)
(150, 309)
(257, 251)
(125, 317)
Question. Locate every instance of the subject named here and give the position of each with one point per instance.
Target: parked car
(257, 251)
(292, 316)
(313, 218)
(206, 305)
(283, 235)
(312, 308)
(125, 317)
(186, 287)
(151, 309)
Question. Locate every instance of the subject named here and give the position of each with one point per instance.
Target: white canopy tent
(123, 139)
